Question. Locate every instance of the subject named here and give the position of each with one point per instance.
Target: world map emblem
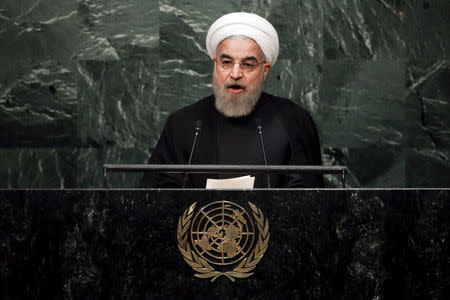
(222, 238)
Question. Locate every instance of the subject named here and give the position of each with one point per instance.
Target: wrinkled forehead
(240, 47)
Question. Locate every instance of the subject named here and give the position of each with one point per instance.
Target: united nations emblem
(220, 239)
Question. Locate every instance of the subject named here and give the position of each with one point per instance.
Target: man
(243, 48)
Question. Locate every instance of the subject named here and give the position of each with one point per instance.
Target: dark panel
(357, 244)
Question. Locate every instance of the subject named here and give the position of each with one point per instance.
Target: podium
(323, 244)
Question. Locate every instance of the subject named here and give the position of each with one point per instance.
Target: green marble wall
(83, 83)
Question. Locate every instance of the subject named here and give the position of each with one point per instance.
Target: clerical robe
(289, 134)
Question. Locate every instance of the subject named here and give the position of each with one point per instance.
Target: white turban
(247, 25)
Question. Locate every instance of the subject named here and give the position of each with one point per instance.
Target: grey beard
(236, 105)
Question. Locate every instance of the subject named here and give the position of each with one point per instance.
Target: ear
(267, 67)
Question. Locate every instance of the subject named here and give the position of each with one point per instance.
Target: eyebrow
(224, 55)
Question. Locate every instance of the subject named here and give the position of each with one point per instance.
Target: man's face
(237, 88)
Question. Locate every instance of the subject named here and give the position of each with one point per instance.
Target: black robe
(290, 138)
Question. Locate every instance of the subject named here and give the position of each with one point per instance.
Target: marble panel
(41, 100)
(427, 167)
(117, 102)
(426, 28)
(35, 32)
(37, 80)
(299, 25)
(121, 22)
(368, 167)
(356, 111)
(96, 79)
(182, 83)
(357, 29)
(117, 72)
(26, 167)
(386, 29)
(298, 81)
(65, 167)
(90, 162)
(428, 85)
(40, 108)
(389, 167)
(184, 25)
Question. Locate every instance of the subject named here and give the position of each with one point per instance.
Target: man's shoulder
(192, 112)
(288, 106)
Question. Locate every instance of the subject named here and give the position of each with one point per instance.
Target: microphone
(261, 142)
(198, 127)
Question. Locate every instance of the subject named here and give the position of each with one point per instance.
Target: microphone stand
(261, 141)
(197, 131)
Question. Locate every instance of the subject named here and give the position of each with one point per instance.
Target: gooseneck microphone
(261, 142)
(198, 127)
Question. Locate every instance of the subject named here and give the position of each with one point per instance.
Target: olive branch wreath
(203, 268)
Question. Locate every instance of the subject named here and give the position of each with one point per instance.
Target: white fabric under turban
(247, 25)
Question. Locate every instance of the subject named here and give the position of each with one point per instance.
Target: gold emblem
(221, 240)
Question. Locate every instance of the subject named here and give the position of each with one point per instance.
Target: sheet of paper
(242, 182)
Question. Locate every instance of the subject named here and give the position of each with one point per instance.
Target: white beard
(236, 105)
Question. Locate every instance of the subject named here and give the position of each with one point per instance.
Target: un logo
(220, 239)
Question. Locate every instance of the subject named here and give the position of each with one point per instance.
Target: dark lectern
(322, 244)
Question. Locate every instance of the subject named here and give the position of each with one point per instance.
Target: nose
(236, 72)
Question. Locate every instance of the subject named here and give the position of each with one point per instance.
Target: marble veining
(83, 83)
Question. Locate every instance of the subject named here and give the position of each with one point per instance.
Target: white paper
(242, 182)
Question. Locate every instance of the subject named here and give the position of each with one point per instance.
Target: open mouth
(235, 88)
